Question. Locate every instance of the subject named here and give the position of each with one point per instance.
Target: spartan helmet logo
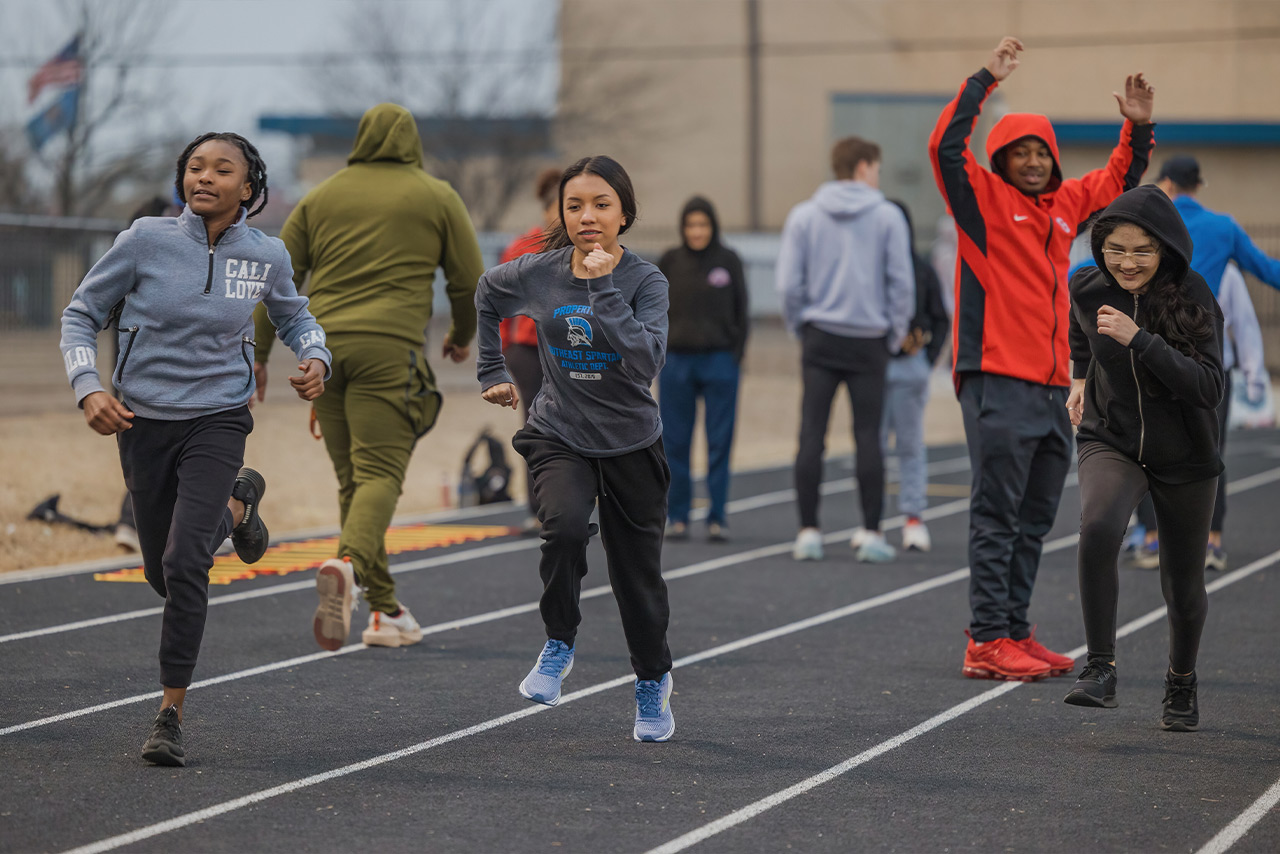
(579, 331)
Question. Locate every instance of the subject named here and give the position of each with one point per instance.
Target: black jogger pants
(631, 491)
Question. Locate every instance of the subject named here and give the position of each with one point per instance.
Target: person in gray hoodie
(848, 292)
(183, 291)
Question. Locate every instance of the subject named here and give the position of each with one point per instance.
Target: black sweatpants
(179, 475)
(826, 362)
(1111, 484)
(1019, 438)
(631, 491)
(526, 369)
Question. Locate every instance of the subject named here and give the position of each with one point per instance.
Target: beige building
(678, 73)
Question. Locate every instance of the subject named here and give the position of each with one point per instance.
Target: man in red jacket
(1016, 222)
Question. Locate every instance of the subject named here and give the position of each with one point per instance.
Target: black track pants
(1111, 484)
(631, 491)
(179, 475)
(860, 363)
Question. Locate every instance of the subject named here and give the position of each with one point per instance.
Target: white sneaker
(386, 630)
(915, 537)
(875, 549)
(859, 538)
(808, 545)
(335, 585)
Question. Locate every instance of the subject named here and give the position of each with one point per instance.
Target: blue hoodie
(186, 328)
(845, 265)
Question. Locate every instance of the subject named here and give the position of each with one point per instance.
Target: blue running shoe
(542, 685)
(654, 721)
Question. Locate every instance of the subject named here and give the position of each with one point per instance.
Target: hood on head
(1151, 210)
(1014, 127)
(846, 198)
(387, 132)
(700, 205)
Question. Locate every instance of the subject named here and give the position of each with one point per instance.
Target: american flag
(62, 70)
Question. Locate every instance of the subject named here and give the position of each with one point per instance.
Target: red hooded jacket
(1011, 301)
(521, 330)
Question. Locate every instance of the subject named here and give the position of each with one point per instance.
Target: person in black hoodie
(708, 335)
(1146, 348)
(907, 393)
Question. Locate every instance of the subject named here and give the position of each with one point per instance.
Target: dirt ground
(49, 449)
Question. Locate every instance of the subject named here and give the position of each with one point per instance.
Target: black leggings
(859, 363)
(1111, 484)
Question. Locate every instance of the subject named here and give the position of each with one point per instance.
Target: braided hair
(257, 168)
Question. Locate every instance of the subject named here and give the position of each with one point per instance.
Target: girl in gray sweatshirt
(182, 293)
(594, 434)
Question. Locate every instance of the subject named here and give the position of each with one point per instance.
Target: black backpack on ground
(491, 485)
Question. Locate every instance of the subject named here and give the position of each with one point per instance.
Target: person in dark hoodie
(708, 336)
(1146, 351)
(1016, 222)
(371, 238)
(844, 271)
(184, 291)
(907, 394)
(594, 435)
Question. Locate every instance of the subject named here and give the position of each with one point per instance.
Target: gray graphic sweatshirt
(601, 343)
(186, 328)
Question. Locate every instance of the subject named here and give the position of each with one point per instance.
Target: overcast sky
(225, 63)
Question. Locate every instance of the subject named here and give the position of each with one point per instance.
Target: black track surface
(1021, 772)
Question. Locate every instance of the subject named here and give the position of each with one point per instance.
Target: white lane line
(752, 810)
(947, 466)
(1232, 833)
(715, 652)
(475, 620)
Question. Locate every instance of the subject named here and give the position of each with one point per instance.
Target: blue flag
(55, 118)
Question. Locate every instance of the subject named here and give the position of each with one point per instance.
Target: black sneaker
(164, 747)
(1096, 686)
(1181, 711)
(250, 537)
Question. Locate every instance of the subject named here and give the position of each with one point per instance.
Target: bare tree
(483, 92)
(108, 144)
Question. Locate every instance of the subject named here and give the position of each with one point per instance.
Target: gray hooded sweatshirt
(845, 265)
(186, 328)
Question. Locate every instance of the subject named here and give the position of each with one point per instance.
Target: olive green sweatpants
(379, 401)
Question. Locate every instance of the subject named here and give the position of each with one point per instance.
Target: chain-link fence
(43, 259)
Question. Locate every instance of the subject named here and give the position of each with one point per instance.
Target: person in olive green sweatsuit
(371, 238)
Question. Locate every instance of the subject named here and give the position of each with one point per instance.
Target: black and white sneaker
(164, 747)
(250, 537)
(1181, 712)
(1096, 686)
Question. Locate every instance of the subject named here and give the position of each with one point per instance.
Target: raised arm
(1131, 155)
(639, 333)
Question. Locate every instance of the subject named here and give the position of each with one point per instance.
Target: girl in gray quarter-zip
(185, 290)
(1146, 349)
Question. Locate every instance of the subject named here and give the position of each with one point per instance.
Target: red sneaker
(1002, 658)
(1059, 665)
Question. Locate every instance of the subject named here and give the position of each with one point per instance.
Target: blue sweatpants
(905, 397)
(713, 376)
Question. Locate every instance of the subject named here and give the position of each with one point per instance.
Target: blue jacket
(186, 327)
(845, 265)
(1217, 239)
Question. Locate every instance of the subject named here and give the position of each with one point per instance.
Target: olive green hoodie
(372, 236)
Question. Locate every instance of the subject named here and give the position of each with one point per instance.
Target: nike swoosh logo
(1020, 217)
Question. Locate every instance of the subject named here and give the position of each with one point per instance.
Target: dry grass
(48, 448)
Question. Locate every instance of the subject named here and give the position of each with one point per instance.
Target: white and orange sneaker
(335, 585)
(386, 630)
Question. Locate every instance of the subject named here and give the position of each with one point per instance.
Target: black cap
(1183, 170)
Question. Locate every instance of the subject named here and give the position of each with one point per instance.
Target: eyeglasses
(1140, 259)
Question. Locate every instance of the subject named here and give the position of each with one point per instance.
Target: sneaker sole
(398, 639)
(534, 698)
(164, 755)
(666, 736)
(984, 673)
(1080, 698)
(1179, 726)
(332, 623)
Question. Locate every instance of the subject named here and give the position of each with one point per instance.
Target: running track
(819, 707)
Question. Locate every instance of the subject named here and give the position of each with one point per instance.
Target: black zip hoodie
(708, 292)
(1150, 401)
